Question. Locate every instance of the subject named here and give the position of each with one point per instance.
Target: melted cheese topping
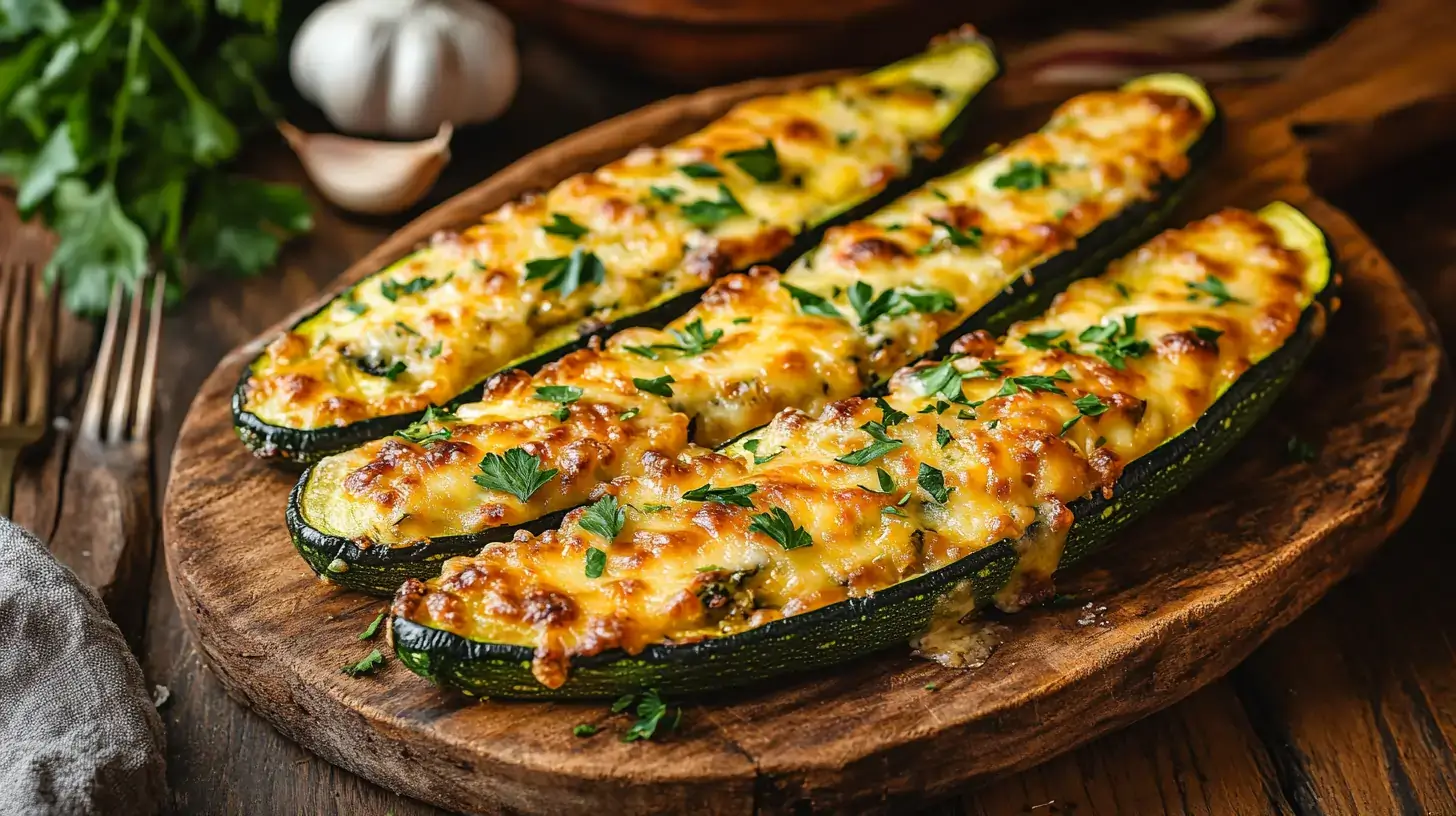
(758, 343)
(988, 444)
(642, 231)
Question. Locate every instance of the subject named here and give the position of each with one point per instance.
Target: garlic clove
(364, 176)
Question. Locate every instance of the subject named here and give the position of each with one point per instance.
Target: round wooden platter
(1182, 597)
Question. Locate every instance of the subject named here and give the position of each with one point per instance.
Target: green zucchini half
(304, 446)
(380, 569)
(893, 616)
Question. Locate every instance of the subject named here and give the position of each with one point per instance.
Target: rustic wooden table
(1351, 710)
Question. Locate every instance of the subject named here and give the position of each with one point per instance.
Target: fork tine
(11, 308)
(44, 308)
(142, 426)
(121, 397)
(91, 419)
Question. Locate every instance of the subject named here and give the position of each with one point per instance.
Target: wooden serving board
(1182, 598)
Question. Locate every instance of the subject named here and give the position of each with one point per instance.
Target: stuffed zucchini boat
(632, 243)
(965, 252)
(970, 482)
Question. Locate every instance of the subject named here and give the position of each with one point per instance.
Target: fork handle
(8, 457)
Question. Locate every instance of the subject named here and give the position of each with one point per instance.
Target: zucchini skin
(841, 631)
(384, 568)
(300, 448)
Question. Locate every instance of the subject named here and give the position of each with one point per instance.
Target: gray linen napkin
(78, 731)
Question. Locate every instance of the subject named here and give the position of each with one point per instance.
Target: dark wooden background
(1352, 710)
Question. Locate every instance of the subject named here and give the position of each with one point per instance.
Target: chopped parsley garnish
(667, 194)
(654, 508)
(1300, 450)
(928, 302)
(1122, 290)
(390, 290)
(1115, 342)
(882, 445)
(844, 137)
(353, 306)
(810, 303)
(1034, 382)
(692, 340)
(932, 687)
(649, 352)
(434, 350)
(762, 163)
(569, 273)
(933, 482)
(778, 525)
(956, 236)
(563, 395)
(651, 711)
(1207, 335)
(752, 447)
(889, 416)
(939, 194)
(701, 170)
(1087, 405)
(436, 413)
(661, 386)
(584, 730)
(517, 473)
(867, 305)
(628, 414)
(887, 482)
(373, 628)
(1041, 341)
(563, 226)
(1023, 175)
(942, 436)
(604, 518)
(366, 666)
(706, 213)
(739, 321)
(596, 562)
(737, 495)
(1214, 288)
(404, 327)
(419, 433)
(993, 423)
(394, 370)
(943, 378)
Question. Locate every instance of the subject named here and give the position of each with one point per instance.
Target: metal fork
(25, 362)
(107, 538)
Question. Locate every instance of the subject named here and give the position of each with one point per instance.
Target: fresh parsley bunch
(116, 120)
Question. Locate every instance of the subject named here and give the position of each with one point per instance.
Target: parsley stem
(123, 96)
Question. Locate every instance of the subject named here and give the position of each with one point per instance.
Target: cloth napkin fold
(78, 731)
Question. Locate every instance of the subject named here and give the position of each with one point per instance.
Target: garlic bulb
(364, 176)
(401, 68)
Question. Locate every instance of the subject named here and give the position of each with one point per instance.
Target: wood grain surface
(1346, 711)
(1255, 545)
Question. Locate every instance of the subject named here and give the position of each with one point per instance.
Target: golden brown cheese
(977, 448)
(758, 343)
(539, 272)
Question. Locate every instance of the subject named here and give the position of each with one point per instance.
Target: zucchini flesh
(634, 243)
(1270, 300)
(371, 517)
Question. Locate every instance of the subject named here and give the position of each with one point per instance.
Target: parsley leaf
(1090, 405)
(778, 525)
(933, 482)
(882, 445)
(650, 713)
(692, 340)
(667, 194)
(563, 226)
(701, 170)
(604, 518)
(928, 302)
(868, 306)
(887, 482)
(962, 238)
(596, 562)
(762, 163)
(373, 628)
(737, 495)
(810, 303)
(942, 436)
(517, 473)
(628, 414)
(661, 386)
(366, 666)
(943, 378)
(1207, 335)
(1041, 341)
(1031, 383)
(1115, 341)
(705, 213)
(391, 289)
(569, 273)
(1023, 175)
(889, 416)
(563, 394)
(752, 447)
(1214, 288)
(584, 730)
